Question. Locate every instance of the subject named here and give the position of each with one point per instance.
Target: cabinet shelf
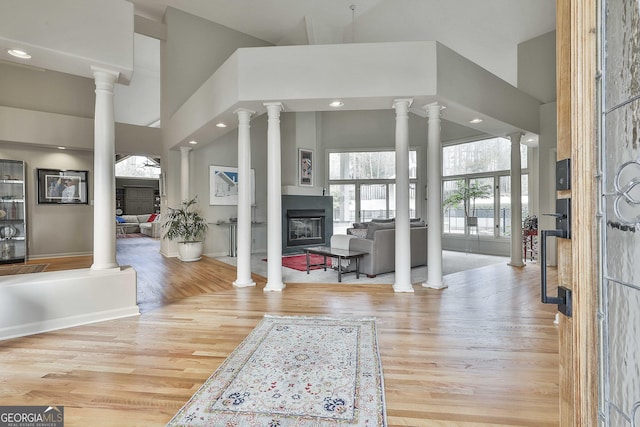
(12, 202)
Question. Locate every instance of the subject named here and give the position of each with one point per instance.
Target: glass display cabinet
(13, 231)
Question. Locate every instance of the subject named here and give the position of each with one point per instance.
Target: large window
(138, 167)
(480, 167)
(363, 186)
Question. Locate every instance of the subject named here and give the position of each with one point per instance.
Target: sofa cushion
(143, 218)
(130, 218)
(375, 226)
(382, 220)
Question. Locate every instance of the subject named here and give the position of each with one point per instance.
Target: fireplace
(305, 227)
(306, 221)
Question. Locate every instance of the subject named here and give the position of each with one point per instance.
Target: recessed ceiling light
(221, 125)
(19, 53)
(193, 142)
(336, 104)
(62, 148)
(475, 121)
(530, 140)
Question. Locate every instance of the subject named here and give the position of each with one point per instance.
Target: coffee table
(340, 254)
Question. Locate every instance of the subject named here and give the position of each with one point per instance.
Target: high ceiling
(486, 32)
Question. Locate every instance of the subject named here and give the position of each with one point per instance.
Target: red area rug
(299, 262)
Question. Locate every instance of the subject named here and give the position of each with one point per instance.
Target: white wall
(224, 152)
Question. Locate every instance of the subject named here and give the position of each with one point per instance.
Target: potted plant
(467, 195)
(188, 227)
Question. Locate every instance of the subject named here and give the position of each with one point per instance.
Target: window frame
(358, 182)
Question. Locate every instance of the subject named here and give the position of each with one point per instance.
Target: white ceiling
(486, 32)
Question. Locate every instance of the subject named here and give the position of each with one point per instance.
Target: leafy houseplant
(467, 195)
(188, 227)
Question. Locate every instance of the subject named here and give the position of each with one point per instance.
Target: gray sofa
(139, 224)
(380, 244)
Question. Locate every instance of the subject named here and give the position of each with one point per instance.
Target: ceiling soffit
(363, 76)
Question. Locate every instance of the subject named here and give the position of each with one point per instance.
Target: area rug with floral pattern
(295, 371)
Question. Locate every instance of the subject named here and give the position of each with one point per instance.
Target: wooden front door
(577, 257)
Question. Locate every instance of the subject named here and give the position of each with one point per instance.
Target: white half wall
(41, 302)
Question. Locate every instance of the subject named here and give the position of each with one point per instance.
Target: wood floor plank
(483, 352)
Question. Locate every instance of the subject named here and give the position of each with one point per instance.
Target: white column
(516, 202)
(403, 235)
(243, 269)
(434, 200)
(104, 179)
(184, 173)
(274, 196)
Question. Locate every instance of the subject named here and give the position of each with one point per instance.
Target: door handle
(563, 300)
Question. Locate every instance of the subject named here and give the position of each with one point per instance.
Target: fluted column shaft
(104, 181)
(244, 200)
(516, 202)
(184, 173)
(434, 199)
(403, 235)
(274, 195)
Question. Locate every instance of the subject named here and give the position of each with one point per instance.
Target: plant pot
(472, 221)
(190, 251)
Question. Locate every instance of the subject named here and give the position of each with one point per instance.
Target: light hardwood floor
(483, 352)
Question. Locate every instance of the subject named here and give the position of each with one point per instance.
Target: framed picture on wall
(62, 187)
(223, 185)
(305, 167)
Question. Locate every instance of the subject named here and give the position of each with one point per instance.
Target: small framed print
(305, 167)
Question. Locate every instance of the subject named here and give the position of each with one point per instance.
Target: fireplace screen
(305, 227)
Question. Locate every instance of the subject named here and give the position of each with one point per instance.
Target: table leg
(339, 269)
(357, 267)
(307, 252)
(325, 263)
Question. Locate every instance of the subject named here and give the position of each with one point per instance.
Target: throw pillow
(152, 217)
(360, 225)
(358, 232)
(119, 219)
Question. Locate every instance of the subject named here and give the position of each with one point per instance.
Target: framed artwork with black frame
(63, 187)
(305, 167)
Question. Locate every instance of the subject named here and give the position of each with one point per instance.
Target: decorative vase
(190, 251)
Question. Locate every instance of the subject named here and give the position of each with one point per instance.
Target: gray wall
(195, 48)
(537, 77)
(537, 67)
(54, 230)
(49, 109)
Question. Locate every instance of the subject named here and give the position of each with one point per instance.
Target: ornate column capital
(104, 77)
(274, 108)
(402, 105)
(434, 110)
(515, 137)
(243, 113)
